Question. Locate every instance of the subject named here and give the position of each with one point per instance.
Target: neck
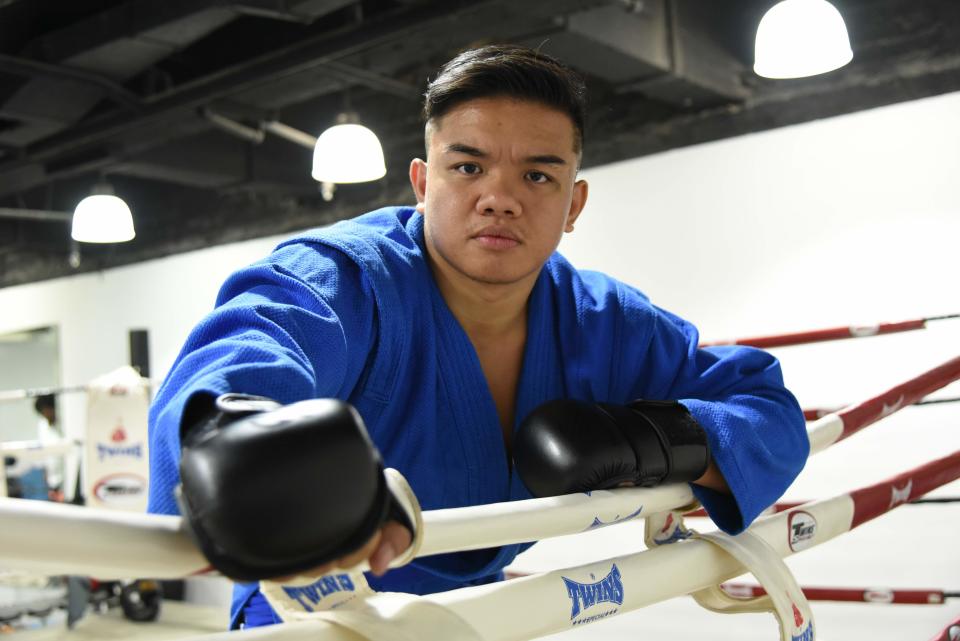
(484, 310)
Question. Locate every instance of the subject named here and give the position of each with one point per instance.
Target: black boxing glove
(270, 490)
(568, 446)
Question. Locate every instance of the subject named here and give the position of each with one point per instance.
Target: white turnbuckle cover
(784, 597)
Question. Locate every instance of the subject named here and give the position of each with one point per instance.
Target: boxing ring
(678, 560)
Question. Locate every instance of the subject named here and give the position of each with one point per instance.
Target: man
(48, 433)
(446, 324)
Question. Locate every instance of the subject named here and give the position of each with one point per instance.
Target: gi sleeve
(754, 425)
(294, 326)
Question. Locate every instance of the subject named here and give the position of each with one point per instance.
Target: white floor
(177, 621)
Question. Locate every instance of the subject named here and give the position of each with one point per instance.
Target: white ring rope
(112, 544)
(12, 395)
(37, 450)
(99, 547)
(681, 568)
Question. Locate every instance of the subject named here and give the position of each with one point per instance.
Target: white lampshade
(348, 153)
(799, 38)
(102, 218)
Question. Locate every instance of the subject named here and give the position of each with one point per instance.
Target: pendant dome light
(800, 38)
(102, 217)
(348, 152)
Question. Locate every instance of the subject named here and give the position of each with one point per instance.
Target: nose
(498, 196)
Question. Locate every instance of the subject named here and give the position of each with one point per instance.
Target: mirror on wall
(29, 359)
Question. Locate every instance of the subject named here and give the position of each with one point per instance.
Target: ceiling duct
(116, 44)
(661, 48)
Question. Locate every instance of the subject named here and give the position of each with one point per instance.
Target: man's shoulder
(593, 290)
(378, 250)
(377, 244)
(389, 228)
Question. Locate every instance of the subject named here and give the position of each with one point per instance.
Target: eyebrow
(538, 159)
(546, 159)
(460, 148)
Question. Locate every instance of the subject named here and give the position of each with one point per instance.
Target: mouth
(497, 232)
(496, 238)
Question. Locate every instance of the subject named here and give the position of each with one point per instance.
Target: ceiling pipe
(36, 215)
(233, 127)
(301, 138)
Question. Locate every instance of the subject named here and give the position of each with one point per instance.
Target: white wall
(844, 221)
(95, 312)
(850, 220)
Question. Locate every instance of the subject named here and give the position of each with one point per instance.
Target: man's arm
(275, 334)
(713, 479)
(754, 425)
(298, 325)
(723, 422)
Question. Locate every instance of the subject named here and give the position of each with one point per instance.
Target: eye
(468, 168)
(538, 177)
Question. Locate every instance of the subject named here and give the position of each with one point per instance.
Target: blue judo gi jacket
(352, 311)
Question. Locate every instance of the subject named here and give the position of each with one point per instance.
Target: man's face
(499, 189)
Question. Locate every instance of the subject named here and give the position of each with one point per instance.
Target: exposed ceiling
(120, 88)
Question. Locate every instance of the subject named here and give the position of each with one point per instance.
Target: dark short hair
(508, 71)
(47, 401)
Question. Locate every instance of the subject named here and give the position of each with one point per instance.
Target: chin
(496, 275)
(493, 279)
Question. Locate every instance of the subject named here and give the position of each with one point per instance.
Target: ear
(418, 180)
(580, 190)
